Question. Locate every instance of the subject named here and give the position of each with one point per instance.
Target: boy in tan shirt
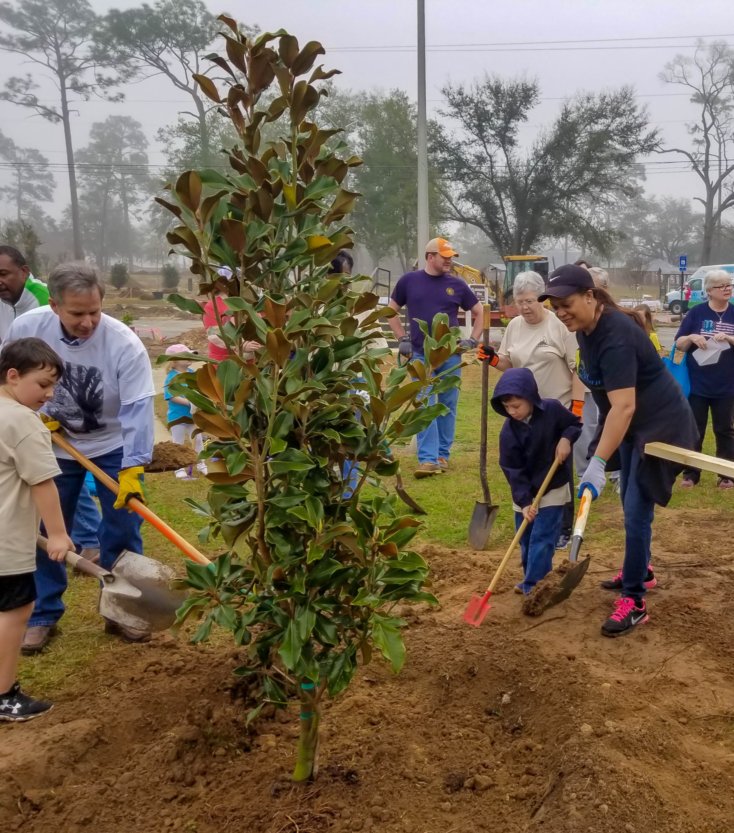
(29, 369)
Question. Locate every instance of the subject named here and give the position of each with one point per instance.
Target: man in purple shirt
(426, 293)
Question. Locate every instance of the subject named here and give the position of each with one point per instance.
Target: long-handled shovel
(559, 584)
(405, 497)
(136, 505)
(136, 593)
(485, 511)
(479, 606)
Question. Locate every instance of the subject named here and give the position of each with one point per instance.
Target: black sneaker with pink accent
(628, 613)
(616, 582)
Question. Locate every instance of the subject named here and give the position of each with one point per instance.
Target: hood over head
(517, 381)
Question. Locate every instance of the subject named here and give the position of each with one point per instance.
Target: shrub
(171, 276)
(119, 275)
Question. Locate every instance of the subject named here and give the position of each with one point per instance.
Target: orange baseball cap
(441, 246)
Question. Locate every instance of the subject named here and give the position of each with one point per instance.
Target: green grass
(448, 498)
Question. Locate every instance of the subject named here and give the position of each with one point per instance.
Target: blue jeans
(638, 514)
(436, 440)
(538, 544)
(87, 520)
(120, 530)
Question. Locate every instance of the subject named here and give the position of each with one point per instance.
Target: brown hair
(27, 354)
(602, 296)
(647, 316)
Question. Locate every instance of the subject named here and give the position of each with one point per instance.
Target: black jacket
(527, 449)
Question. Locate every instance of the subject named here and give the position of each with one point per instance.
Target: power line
(528, 42)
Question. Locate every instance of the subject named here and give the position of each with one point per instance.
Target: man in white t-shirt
(104, 404)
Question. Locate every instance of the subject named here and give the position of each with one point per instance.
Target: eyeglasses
(526, 303)
(722, 286)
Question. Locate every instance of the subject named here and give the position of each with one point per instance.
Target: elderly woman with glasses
(537, 340)
(706, 327)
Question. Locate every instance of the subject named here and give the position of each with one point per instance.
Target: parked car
(675, 300)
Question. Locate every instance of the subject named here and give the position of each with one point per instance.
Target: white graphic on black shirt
(79, 399)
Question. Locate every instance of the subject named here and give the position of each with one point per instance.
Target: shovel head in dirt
(558, 585)
(136, 593)
(155, 604)
(481, 523)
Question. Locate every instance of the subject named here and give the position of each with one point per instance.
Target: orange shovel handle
(133, 503)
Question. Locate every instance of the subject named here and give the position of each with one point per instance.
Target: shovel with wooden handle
(558, 585)
(479, 606)
(485, 511)
(133, 503)
(136, 593)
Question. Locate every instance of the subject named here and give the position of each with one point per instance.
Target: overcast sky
(568, 45)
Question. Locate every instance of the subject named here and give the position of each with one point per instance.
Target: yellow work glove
(50, 423)
(131, 485)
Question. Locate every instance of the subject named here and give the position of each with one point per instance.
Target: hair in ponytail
(602, 296)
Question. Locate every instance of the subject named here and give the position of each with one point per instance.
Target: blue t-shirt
(426, 295)
(714, 381)
(176, 410)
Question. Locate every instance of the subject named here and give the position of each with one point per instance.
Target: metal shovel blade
(477, 609)
(406, 498)
(153, 603)
(481, 523)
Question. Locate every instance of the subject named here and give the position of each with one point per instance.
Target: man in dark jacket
(537, 432)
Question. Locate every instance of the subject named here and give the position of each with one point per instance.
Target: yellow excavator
(500, 297)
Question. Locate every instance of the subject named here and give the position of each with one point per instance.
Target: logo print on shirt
(78, 399)
(450, 291)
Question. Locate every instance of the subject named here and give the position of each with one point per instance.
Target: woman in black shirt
(639, 402)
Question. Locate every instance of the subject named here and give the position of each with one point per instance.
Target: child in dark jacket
(535, 433)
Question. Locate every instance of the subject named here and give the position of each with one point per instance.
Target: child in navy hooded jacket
(535, 433)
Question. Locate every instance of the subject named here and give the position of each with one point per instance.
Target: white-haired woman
(706, 327)
(537, 340)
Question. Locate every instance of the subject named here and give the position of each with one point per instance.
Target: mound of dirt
(168, 456)
(511, 727)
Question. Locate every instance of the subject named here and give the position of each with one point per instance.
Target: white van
(675, 299)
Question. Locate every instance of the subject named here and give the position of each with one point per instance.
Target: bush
(119, 275)
(171, 276)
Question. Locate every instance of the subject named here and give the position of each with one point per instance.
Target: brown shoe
(91, 554)
(36, 638)
(443, 464)
(132, 635)
(427, 470)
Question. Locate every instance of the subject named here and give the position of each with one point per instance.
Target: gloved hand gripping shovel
(479, 606)
(134, 504)
(485, 511)
(558, 585)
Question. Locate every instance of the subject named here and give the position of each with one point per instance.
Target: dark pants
(120, 530)
(638, 511)
(722, 421)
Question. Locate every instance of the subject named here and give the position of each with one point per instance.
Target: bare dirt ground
(520, 725)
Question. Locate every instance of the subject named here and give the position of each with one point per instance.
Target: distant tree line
(579, 180)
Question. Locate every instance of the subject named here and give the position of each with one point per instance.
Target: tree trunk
(128, 230)
(19, 194)
(74, 197)
(307, 756)
(203, 130)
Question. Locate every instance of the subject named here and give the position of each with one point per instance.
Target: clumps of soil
(545, 590)
(168, 456)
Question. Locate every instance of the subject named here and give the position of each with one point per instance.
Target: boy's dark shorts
(16, 591)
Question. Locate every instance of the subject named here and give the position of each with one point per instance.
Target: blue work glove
(405, 348)
(468, 343)
(594, 478)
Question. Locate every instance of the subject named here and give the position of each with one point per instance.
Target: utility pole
(423, 232)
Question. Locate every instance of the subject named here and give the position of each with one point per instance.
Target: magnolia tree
(313, 566)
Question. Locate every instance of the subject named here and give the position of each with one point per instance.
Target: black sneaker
(16, 707)
(627, 614)
(616, 582)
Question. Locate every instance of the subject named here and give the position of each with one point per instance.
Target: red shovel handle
(133, 503)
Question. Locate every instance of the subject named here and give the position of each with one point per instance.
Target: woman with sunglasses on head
(706, 327)
(639, 402)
